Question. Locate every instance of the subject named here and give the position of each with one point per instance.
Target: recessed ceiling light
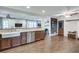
(67, 16)
(43, 11)
(28, 7)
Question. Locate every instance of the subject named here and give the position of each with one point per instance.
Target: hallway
(54, 44)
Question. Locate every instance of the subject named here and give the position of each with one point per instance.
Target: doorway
(61, 28)
(46, 32)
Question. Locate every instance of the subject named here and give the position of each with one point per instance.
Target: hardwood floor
(54, 44)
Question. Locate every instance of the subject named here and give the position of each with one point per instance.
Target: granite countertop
(20, 30)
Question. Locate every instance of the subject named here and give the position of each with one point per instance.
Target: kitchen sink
(10, 34)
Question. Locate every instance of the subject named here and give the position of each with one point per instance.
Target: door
(61, 28)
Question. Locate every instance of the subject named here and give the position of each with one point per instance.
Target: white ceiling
(37, 10)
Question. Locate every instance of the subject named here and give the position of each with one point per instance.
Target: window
(32, 24)
(5, 23)
(29, 24)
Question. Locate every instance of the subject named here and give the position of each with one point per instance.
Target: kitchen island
(16, 37)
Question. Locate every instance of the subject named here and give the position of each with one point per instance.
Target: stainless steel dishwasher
(30, 37)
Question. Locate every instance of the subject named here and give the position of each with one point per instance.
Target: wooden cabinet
(5, 43)
(9, 42)
(61, 28)
(61, 32)
(23, 38)
(39, 35)
(0, 44)
(16, 41)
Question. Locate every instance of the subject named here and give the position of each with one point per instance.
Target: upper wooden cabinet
(39, 35)
(23, 37)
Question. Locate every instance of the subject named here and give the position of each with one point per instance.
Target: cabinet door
(16, 41)
(5, 43)
(23, 38)
(61, 32)
(42, 35)
(39, 35)
(0, 44)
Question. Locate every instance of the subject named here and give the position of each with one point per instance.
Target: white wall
(78, 29)
(70, 26)
(68, 18)
(44, 20)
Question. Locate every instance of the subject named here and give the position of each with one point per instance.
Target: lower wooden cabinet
(39, 35)
(23, 37)
(61, 32)
(42, 35)
(0, 44)
(16, 41)
(9, 42)
(5, 43)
